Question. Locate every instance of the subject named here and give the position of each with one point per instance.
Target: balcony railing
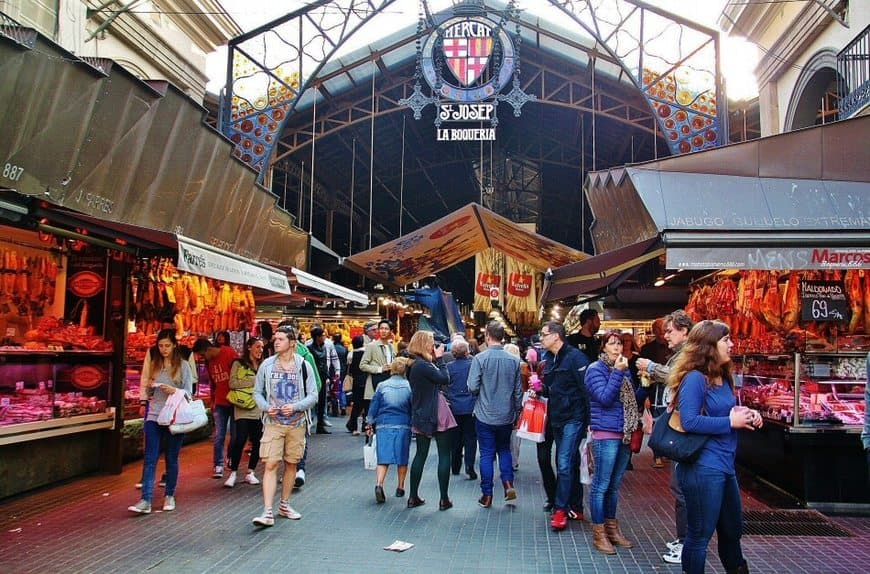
(853, 65)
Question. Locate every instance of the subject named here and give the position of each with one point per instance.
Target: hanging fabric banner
(522, 288)
(489, 270)
(522, 292)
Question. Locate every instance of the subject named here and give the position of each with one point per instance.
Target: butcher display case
(813, 408)
(804, 390)
(47, 393)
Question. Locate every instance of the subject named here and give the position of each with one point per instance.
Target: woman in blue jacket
(613, 403)
(704, 396)
(390, 415)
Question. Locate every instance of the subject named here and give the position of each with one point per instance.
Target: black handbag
(677, 445)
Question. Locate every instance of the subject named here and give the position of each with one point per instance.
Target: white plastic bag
(168, 413)
(198, 417)
(370, 453)
(586, 464)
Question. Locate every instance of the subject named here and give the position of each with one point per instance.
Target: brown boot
(614, 534)
(600, 541)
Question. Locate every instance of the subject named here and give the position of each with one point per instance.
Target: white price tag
(41, 385)
(19, 386)
(4, 402)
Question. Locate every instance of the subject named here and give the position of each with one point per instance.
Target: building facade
(814, 65)
(155, 40)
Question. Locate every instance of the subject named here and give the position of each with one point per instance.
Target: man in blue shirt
(495, 378)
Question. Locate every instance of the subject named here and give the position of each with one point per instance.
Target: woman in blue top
(613, 407)
(390, 415)
(702, 385)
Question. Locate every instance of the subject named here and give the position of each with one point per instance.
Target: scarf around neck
(630, 416)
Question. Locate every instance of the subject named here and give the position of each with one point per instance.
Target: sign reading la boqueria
(467, 61)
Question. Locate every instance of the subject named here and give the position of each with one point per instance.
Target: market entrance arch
(612, 87)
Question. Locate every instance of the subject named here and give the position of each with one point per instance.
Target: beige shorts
(281, 441)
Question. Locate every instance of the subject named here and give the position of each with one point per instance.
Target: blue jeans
(494, 439)
(223, 417)
(611, 459)
(154, 433)
(712, 504)
(567, 439)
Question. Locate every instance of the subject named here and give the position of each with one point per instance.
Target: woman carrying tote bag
(169, 374)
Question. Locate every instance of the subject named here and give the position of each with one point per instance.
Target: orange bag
(533, 419)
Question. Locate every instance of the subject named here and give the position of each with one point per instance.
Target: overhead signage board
(769, 258)
(202, 259)
(467, 61)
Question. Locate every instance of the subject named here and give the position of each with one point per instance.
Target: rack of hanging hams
(763, 310)
(196, 305)
(28, 283)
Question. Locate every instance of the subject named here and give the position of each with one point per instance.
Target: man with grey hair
(494, 377)
(462, 406)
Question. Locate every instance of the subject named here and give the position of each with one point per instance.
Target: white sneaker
(218, 472)
(674, 543)
(250, 478)
(138, 485)
(675, 556)
(285, 510)
(300, 479)
(141, 507)
(231, 481)
(326, 422)
(265, 519)
(169, 504)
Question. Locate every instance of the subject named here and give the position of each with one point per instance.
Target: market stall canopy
(596, 273)
(453, 239)
(328, 287)
(130, 151)
(799, 200)
(793, 189)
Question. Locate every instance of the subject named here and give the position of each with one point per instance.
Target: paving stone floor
(83, 526)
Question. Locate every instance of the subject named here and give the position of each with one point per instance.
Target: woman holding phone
(170, 374)
(613, 402)
(430, 414)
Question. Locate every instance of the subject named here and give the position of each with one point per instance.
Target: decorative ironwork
(673, 62)
(853, 65)
(16, 32)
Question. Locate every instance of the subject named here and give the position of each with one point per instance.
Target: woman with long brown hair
(702, 386)
(249, 425)
(430, 414)
(170, 373)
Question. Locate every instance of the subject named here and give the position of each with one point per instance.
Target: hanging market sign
(467, 61)
(201, 259)
(768, 258)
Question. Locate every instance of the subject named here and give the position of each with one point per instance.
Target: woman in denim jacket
(390, 414)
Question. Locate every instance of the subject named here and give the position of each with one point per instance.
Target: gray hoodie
(263, 390)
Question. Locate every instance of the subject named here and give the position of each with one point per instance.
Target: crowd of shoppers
(469, 402)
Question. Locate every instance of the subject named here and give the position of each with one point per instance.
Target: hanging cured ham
(791, 305)
(854, 293)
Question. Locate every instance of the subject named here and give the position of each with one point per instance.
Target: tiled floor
(84, 526)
